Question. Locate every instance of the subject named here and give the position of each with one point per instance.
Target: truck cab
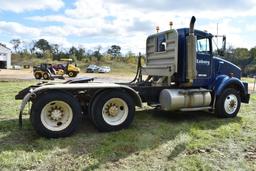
(208, 66)
(185, 58)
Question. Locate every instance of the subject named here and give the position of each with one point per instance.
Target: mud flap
(22, 106)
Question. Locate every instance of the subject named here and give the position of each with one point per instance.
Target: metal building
(5, 57)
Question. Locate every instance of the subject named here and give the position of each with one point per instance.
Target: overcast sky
(89, 23)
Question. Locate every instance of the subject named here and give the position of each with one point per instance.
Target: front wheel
(228, 104)
(72, 74)
(112, 111)
(55, 114)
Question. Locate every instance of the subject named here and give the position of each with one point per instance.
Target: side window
(203, 45)
(161, 43)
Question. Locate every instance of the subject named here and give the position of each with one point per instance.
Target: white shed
(5, 57)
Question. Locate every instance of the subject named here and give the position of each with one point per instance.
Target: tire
(38, 75)
(112, 111)
(72, 74)
(46, 76)
(228, 104)
(55, 114)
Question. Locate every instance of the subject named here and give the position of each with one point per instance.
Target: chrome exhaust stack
(191, 25)
(191, 53)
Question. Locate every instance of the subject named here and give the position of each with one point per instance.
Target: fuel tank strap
(193, 91)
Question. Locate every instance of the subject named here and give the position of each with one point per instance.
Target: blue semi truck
(181, 73)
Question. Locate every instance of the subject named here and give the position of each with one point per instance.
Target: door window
(203, 45)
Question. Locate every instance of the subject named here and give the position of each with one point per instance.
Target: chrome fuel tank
(176, 99)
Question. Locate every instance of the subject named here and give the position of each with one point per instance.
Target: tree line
(42, 49)
(242, 57)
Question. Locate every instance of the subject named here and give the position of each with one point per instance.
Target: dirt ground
(16, 74)
(27, 74)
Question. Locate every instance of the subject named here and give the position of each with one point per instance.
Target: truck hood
(224, 67)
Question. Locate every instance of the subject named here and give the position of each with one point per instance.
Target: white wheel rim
(56, 115)
(71, 74)
(45, 76)
(115, 111)
(231, 104)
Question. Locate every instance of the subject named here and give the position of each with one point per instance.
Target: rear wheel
(228, 104)
(38, 75)
(55, 115)
(112, 111)
(46, 76)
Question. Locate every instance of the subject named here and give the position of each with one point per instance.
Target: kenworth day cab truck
(180, 73)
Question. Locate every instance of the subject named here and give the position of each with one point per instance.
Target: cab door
(204, 61)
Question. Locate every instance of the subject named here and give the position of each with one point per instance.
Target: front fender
(223, 81)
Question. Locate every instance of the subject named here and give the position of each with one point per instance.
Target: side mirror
(224, 43)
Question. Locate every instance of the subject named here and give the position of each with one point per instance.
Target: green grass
(248, 80)
(155, 141)
(119, 68)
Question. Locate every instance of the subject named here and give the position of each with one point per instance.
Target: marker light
(171, 24)
(157, 29)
